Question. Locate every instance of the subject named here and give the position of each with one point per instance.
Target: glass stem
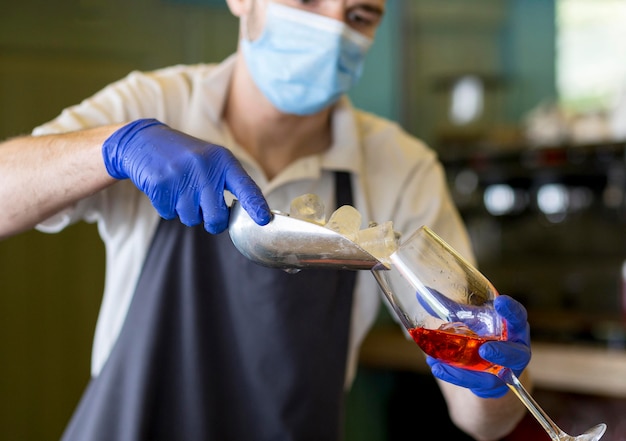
(507, 375)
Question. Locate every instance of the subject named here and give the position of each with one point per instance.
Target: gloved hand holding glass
(183, 176)
(474, 337)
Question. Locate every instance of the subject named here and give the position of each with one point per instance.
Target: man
(193, 341)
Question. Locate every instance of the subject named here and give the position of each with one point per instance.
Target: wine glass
(446, 305)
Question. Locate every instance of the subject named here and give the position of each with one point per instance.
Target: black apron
(216, 347)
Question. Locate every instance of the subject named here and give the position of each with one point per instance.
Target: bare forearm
(42, 175)
(485, 419)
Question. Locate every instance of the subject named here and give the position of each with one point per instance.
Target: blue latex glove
(513, 353)
(183, 176)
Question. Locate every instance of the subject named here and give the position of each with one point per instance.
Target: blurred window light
(591, 41)
(466, 100)
(466, 182)
(499, 199)
(580, 198)
(553, 199)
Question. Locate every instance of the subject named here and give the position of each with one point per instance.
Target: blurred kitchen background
(524, 100)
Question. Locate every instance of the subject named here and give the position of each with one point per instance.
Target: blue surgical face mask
(303, 62)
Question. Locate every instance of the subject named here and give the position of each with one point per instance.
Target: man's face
(363, 16)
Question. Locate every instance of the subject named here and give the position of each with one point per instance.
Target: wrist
(115, 147)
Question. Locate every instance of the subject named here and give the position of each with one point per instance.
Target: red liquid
(455, 345)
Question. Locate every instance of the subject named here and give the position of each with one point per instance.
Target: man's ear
(239, 7)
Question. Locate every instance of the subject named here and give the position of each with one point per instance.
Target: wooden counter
(565, 368)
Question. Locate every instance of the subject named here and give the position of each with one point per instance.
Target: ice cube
(379, 240)
(308, 207)
(345, 220)
(457, 328)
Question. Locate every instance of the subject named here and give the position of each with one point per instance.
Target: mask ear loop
(255, 8)
(244, 28)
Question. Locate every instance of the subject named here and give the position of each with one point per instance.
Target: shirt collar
(345, 153)
(216, 88)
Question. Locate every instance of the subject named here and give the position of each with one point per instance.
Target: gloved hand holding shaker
(182, 175)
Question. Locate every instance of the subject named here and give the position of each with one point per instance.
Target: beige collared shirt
(395, 177)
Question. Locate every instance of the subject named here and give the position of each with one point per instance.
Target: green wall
(529, 54)
(379, 88)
